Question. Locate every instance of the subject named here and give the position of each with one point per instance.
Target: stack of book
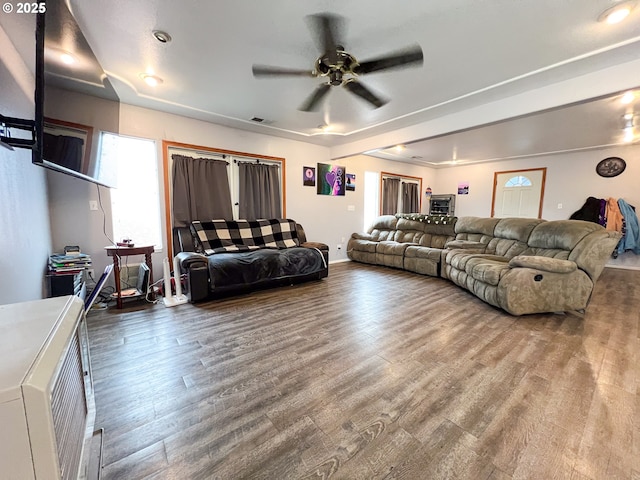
(62, 264)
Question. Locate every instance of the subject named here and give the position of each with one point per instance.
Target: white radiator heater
(46, 397)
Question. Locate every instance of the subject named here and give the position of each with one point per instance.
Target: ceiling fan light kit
(340, 67)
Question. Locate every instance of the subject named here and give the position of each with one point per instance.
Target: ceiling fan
(339, 66)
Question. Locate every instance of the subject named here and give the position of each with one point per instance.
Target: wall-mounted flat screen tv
(74, 99)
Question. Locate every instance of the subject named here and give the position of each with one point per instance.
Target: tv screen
(74, 99)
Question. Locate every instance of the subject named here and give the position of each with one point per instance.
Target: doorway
(518, 193)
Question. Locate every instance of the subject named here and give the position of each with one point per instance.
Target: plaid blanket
(221, 236)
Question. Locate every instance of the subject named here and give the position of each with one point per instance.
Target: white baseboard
(342, 260)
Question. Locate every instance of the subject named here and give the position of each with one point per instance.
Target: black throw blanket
(228, 270)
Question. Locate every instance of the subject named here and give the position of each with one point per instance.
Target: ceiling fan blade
(268, 71)
(327, 30)
(403, 58)
(358, 89)
(313, 102)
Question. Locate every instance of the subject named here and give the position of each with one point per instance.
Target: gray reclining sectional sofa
(521, 265)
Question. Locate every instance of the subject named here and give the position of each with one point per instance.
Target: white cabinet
(46, 396)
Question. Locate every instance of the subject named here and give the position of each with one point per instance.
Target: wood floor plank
(370, 373)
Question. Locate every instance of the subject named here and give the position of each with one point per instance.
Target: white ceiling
(475, 52)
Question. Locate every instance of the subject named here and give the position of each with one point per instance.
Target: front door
(518, 193)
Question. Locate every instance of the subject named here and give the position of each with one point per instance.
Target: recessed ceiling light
(628, 97)
(399, 148)
(151, 80)
(162, 37)
(617, 13)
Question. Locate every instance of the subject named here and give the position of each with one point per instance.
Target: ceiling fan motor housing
(335, 65)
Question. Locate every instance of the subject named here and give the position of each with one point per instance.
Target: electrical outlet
(559, 206)
(90, 273)
(339, 246)
(93, 205)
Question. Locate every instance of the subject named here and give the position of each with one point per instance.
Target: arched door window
(518, 181)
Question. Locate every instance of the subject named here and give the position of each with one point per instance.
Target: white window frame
(151, 206)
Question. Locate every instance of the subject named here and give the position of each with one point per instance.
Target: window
(518, 181)
(258, 180)
(371, 198)
(235, 162)
(135, 202)
(400, 194)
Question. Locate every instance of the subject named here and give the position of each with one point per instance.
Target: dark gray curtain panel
(390, 190)
(410, 198)
(200, 190)
(259, 193)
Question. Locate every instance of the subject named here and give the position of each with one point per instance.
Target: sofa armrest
(318, 245)
(191, 259)
(362, 236)
(323, 248)
(465, 245)
(196, 268)
(546, 264)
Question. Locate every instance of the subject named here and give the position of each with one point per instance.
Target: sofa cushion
(238, 269)
(219, 236)
(482, 267)
(417, 251)
(516, 228)
(383, 222)
(511, 235)
(391, 248)
(475, 229)
(408, 231)
(561, 234)
(466, 245)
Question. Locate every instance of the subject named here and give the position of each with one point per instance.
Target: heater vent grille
(69, 411)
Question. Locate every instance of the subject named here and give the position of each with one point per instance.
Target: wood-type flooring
(370, 373)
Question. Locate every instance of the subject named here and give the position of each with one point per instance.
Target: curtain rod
(256, 160)
(223, 156)
(53, 126)
(403, 179)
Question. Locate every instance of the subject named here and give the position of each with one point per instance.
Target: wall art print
(463, 188)
(309, 176)
(331, 179)
(351, 182)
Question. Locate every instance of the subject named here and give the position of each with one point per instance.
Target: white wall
(25, 240)
(72, 223)
(571, 178)
(324, 218)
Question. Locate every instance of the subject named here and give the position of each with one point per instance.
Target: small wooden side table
(118, 252)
